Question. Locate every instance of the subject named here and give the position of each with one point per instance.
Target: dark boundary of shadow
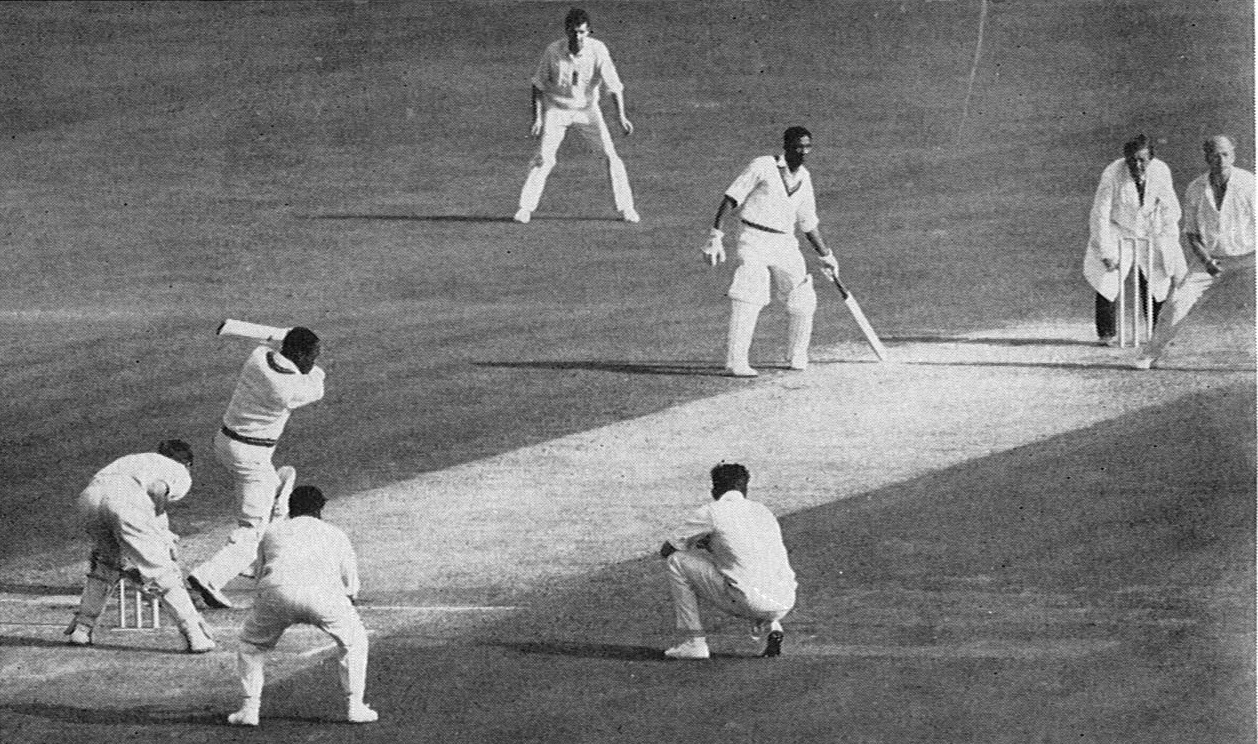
(29, 642)
(1077, 540)
(989, 341)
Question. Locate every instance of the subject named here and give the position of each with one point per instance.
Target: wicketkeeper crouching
(123, 510)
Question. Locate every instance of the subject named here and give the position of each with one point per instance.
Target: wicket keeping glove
(714, 251)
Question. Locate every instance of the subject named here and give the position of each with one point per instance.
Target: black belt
(748, 223)
(255, 441)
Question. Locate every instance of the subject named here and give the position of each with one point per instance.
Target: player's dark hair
(1207, 145)
(177, 450)
(575, 17)
(1136, 144)
(306, 501)
(729, 476)
(792, 135)
(298, 341)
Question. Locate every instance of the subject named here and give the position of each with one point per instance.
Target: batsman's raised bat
(256, 331)
(849, 299)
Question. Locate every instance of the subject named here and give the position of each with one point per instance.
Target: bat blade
(854, 307)
(256, 331)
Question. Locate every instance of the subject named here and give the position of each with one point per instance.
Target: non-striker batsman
(773, 195)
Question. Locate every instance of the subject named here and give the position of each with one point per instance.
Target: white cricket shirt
(308, 552)
(771, 196)
(746, 545)
(270, 387)
(1228, 231)
(152, 472)
(571, 81)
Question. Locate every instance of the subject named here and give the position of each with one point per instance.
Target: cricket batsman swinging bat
(849, 299)
(256, 331)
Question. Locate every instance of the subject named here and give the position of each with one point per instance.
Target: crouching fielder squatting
(307, 573)
(123, 510)
(730, 553)
(774, 196)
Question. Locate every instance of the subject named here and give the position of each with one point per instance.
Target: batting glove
(830, 263)
(714, 251)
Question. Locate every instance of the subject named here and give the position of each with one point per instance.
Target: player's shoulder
(1200, 183)
(596, 45)
(1114, 167)
(767, 163)
(1245, 177)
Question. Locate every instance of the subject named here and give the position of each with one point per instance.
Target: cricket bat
(256, 331)
(849, 299)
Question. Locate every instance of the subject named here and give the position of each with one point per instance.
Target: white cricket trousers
(769, 262)
(691, 575)
(589, 122)
(1236, 271)
(278, 608)
(256, 485)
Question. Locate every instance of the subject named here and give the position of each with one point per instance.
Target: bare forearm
(727, 204)
(818, 244)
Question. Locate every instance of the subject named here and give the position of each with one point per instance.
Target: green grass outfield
(535, 403)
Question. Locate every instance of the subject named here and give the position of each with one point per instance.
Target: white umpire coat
(1117, 213)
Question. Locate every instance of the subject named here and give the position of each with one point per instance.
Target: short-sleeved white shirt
(269, 388)
(307, 552)
(571, 81)
(154, 473)
(773, 197)
(1228, 231)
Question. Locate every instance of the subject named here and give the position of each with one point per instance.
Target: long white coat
(1117, 213)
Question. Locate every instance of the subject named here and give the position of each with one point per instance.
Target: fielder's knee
(803, 298)
(542, 162)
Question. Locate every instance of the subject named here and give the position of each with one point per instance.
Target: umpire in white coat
(1135, 199)
(307, 573)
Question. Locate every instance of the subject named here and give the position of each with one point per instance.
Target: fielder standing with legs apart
(565, 94)
(1134, 204)
(123, 510)
(271, 385)
(307, 573)
(774, 196)
(1219, 228)
(729, 552)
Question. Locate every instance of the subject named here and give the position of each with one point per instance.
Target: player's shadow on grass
(989, 341)
(586, 650)
(455, 217)
(110, 717)
(700, 369)
(31, 642)
(40, 590)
